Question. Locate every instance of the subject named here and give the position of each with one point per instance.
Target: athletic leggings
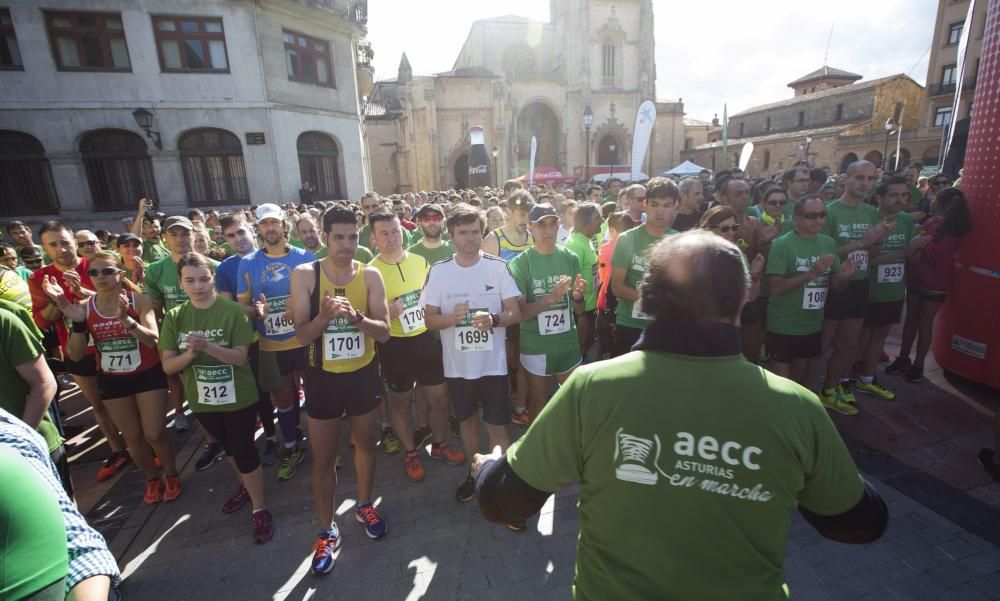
(234, 430)
(265, 410)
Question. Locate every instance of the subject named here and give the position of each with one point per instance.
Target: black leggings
(234, 430)
(264, 407)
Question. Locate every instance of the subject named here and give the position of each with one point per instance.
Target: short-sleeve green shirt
(19, 345)
(846, 224)
(631, 248)
(209, 384)
(888, 279)
(707, 475)
(162, 283)
(536, 275)
(799, 312)
(583, 248)
(433, 255)
(153, 252)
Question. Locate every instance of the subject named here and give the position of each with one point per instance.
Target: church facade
(519, 79)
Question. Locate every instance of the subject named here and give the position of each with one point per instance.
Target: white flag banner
(531, 162)
(963, 44)
(645, 119)
(899, 138)
(745, 153)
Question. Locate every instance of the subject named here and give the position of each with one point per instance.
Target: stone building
(193, 104)
(520, 78)
(831, 120)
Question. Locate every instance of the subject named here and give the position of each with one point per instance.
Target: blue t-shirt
(225, 275)
(261, 273)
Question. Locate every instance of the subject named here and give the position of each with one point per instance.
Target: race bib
(595, 278)
(637, 312)
(552, 322)
(890, 273)
(469, 339)
(342, 341)
(216, 384)
(412, 317)
(861, 258)
(275, 323)
(119, 355)
(813, 298)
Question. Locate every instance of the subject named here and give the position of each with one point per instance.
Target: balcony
(355, 11)
(942, 89)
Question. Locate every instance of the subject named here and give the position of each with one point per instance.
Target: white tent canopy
(685, 168)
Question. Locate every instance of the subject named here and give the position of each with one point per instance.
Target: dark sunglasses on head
(725, 229)
(815, 215)
(775, 203)
(103, 271)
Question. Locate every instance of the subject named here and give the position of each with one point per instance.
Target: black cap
(428, 208)
(178, 221)
(127, 237)
(541, 211)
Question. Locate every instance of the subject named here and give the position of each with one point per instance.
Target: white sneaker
(181, 422)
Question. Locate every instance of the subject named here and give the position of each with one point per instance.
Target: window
(26, 186)
(767, 160)
(308, 59)
(118, 169)
(948, 75)
(609, 65)
(191, 44)
(942, 116)
(955, 33)
(214, 172)
(840, 113)
(741, 129)
(767, 126)
(688, 143)
(802, 118)
(319, 164)
(88, 41)
(10, 56)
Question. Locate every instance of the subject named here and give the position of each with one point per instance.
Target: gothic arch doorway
(539, 120)
(849, 158)
(462, 171)
(610, 150)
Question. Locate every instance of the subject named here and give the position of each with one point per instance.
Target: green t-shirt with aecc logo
(846, 224)
(799, 312)
(710, 473)
(631, 248)
(888, 279)
(209, 384)
(536, 275)
(163, 284)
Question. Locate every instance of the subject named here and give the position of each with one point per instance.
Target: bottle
(479, 158)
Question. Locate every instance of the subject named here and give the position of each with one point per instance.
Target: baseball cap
(520, 201)
(128, 237)
(178, 221)
(541, 211)
(269, 211)
(427, 208)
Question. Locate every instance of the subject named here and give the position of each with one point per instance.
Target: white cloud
(707, 52)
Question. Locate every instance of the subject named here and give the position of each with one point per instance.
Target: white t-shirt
(563, 235)
(468, 353)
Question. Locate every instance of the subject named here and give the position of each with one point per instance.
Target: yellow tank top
(509, 250)
(405, 280)
(344, 348)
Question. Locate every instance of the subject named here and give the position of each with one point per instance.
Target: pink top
(934, 268)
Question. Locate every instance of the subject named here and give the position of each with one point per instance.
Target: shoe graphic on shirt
(637, 466)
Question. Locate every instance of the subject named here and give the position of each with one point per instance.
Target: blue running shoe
(325, 546)
(374, 524)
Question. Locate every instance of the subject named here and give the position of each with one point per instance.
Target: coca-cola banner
(479, 159)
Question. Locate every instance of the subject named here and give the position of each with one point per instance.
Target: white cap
(269, 211)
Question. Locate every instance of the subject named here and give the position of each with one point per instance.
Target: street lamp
(889, 125)
(145, 120)
(809, 140)
(496, 175)
(588, 120)
(614, 159)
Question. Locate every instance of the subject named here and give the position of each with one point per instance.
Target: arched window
(214, 172)
(26, 186)
(612, 41)
(318, 164)
(118, 169)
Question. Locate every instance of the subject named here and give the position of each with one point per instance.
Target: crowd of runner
(409, 315)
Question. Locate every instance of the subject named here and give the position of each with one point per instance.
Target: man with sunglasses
(858, 231)
(87, 244)
(430, 219)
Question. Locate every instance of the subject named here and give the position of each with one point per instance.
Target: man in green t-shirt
(719, 463)
(587, 223)
(431, 246)
(20, 235)
(370, 203)
(887, 288)
(858, 231)
(628, 262)
(552, 287)
(29, 385)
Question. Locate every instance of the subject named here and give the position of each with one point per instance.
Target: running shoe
(454, 426)
(517, 525)
(374, 525)
(467, 490)
(422, 437)
(66, 381)
(286, 467)
(325, 546)
(449, 455)
(173, 489)
(914, 373)
(846, 394)
(269, 456)
(181, 422)
(898, 367)
(985, 459)
(390, 444)
(874, 389)
(237, 500)
(113, 464)
(154, 491)
(211, 454)
(834, 400)
(414, 469)
(521, 419)
(263, 526)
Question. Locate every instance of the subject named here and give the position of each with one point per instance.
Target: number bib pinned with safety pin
(342, 341)
(216, 384)
(119, 355)
(275, 323)
(470, 339)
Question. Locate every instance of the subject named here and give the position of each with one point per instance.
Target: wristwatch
(495, 320)
(358, 317)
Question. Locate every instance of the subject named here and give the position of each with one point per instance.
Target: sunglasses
(103, 271)
(776, 203)
(89, 243)
(814, 215)
(725, 229)
(431, 217)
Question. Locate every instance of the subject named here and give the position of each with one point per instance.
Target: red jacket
(934, 267)
(40, 300)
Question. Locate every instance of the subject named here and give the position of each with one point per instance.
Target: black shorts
(883, 313)
(930, 295)
(750, 314)
(411, 359)
(116, 387)
(784, 348)
(291, 360)
(85, 368)
(849, 303)
(330, 395)
(492, 392)
(625, 338)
